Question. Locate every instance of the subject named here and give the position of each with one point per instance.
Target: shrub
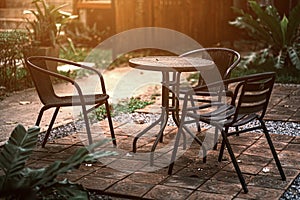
(13, 76)
(49, 20)
(83, 35)
(280, 37)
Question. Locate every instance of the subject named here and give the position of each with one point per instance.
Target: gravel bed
(61, 131)
(275, 127)
(293, 192)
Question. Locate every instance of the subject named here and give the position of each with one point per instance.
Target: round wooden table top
(171, 63)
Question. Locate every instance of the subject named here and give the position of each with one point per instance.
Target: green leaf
(93, 157)
(44, 31)
(14, 155)
(269, 21)
(18, 149)
(281, 59)
(283, 24)
(294, 22)
(254, 28)
(60, 167)
(18, 177)
(294, 57)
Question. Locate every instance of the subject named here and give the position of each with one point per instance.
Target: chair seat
(224, 113)
(75, 100)
(206, 94)
(244, 119)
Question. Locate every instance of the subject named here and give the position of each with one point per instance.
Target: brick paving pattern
(130, 175)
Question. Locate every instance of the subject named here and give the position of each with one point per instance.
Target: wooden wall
(206, 21)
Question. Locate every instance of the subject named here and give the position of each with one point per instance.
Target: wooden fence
(206, 21)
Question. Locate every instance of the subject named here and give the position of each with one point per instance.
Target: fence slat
(206, 21)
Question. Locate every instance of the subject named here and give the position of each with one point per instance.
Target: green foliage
(48, 23)
(98, 114)
(130, 106)
(283, 75)
(279, 35)
(18, 181)
(124, 106)
(77, 54)
(83, 35)
(12, 74)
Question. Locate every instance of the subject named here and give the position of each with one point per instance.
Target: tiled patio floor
(130, 175)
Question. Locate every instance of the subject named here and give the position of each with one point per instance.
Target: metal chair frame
(41, 76)
(224, 58)
(249, 102)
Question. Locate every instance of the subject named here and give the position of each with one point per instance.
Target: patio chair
(225, 59)
(42, 79)
(249, 103)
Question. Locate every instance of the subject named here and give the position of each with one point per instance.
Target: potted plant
(45, 29)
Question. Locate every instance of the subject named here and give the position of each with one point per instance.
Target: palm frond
(283, 24)
(253, 27)
(294, 23)
(18, 148)
(269, 22)
(15, 153)
(294, 57)
(281, 59)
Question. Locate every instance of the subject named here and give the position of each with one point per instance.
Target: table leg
(175, 97)
(167, 89)
(163, 119)
(160, 119)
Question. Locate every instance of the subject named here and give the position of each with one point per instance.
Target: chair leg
(39, 118)
(222, 146)
(50, 126)
(215, 139)
(237, 129)
(234, 162)
(197, 122)
(221, 151)
(87, 124)
(278, 164)
(112, 132)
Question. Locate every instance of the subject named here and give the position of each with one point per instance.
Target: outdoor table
(167, 65)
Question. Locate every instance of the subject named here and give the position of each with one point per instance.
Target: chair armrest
(56, 75)
(232, 66)
(59, 60)
(87, 68)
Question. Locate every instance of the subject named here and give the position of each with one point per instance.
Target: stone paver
(130, 176)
